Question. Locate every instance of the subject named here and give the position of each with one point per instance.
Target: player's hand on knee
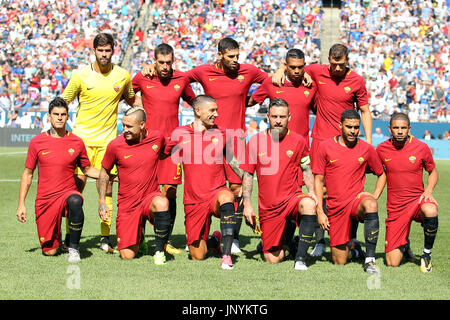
(427, 196)
(21, 214)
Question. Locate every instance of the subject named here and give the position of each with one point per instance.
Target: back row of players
(153, 148)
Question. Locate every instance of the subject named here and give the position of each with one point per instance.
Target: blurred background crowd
(401, 48)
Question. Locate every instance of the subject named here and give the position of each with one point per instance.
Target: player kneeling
(136, 154)
(57, 152)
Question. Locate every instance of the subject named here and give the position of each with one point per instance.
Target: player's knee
(370, 205)
(225, 196)
(127, 254)
(170, 191)
(197, 254)
(75, 202)
(429, 210)
(235, 188)
(307, 206)
(274, 257)
(50, 252)
(160, 204)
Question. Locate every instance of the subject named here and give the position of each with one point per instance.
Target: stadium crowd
(42, 41)
(402, 49)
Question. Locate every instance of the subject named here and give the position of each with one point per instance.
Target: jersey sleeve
(73, 88)
(194, 74)
(32, 158)
(258, 75)
(262, 92)
(83, 159)
(320, 160)
(128, 91)
(374, 162)
(188, 94)
(428, 161)
(109, 159)
(136, 82)
(312, 70)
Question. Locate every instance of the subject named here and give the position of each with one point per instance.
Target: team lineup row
(144, 158)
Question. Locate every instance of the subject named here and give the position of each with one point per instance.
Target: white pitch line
(12, 153)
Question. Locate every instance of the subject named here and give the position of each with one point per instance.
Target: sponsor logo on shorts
(412, 159)
(42, 239)
(71, 151)
(306, 93)
(347, 89)
(289, 153)
(241, 78)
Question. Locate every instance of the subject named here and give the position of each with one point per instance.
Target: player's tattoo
(234, 164)
(308, 178)
(102, 183)
(247, 186)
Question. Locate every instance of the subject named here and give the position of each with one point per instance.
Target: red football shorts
(169, 172)
(129, 223)
(398, 224)
(197, 219)
(273, 222)
(340, 223)
(49, 213)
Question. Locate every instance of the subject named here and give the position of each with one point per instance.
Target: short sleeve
(374, 162)
(109, 159)
(83, 159)
(428, 161)
(32, 158)
(320, 160)
(136, 82)
(73, 87)
(262, 92)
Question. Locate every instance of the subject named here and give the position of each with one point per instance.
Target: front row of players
(340, 162)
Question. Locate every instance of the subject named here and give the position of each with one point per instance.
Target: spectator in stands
(427, 135)
(14, 118)
(378, 134)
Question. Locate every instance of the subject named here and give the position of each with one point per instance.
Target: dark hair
(103, 39)
(295, 54)
(57, 102)
(227, 44)
(337, 51)
(399, 116)
(137, 109)
(278, 102)
(350, 114)
(163, 49)
(202, 98)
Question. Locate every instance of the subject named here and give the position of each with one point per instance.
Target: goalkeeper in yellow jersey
(99, 87)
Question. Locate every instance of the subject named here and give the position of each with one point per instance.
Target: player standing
(404, 158)
(136, 154)
(275, 155)
(99, 87)
(200, 147)
(160, 97)
(338, 89)
(342, 161)
(57, 152)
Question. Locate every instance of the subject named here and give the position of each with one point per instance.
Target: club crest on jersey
(42, 239)
(289, 153)
(176, 87)
(360, 160)
(412, 159)
(71, 151)
(347, 89)
(116, 88)
(306, 93)
(241, 78)
(155, 147)
(214, 140)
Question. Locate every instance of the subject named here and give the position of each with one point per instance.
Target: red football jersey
(161, 100)
(277, 166)
(230, 92)
(404, 171)
(299, 100)
(332, 98)
(202, 156)
(344, 169)
(136, 165)
(57, 159)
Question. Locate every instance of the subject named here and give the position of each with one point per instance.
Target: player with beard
(161, 98)
(99, 87)
(405, 158)
(342, 161)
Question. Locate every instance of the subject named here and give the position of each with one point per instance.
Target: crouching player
(275, 155)
(342, 161)
(57, 152)
(404, 158)
(136, 154)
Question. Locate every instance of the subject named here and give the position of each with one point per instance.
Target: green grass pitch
(27, 274)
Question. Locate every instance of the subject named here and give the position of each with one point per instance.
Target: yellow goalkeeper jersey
(98, 96)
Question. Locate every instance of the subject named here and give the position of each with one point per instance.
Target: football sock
(430, 228)
(320, 233)
(212, 242)
(306, 231)
(238, 217)
(371, 229)
(105, 226)
(227, 222)
(75, 219)
(354, 228)
(289, 231)
(173, 213)
(161, 228)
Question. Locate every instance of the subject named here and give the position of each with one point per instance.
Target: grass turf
(27, 274)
